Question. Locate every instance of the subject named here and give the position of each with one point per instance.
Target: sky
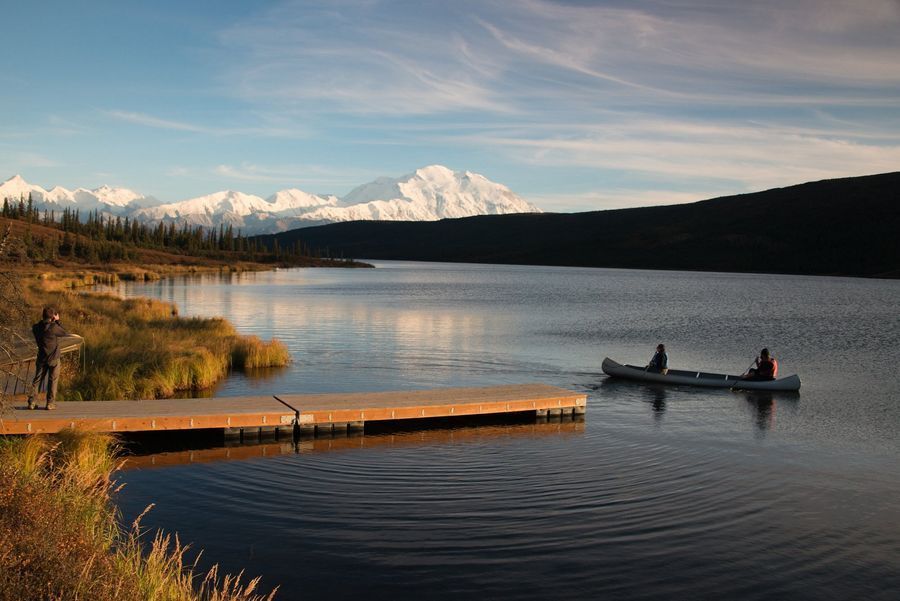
(574, 105)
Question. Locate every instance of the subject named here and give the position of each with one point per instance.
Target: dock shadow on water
(144, 450)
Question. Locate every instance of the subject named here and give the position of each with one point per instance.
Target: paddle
(749, 367)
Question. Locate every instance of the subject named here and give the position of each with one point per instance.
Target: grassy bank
(61, 537)
(141, 348)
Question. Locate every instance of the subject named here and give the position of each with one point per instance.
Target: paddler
(660, 360)
(766, 367)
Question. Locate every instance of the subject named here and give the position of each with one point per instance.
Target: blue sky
(574, 105)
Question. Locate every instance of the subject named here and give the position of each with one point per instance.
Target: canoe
(697, 378)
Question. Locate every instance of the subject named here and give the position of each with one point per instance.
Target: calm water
(673, 493)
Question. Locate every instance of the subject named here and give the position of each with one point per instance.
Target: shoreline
(61, 530)
(139, 347)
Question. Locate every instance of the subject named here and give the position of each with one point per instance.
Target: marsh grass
(249, 352)
(140, 348)
(61, 538)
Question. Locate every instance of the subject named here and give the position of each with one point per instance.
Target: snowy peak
(379, 189)
(217, 203)
(15, 181)
(105, 198)
(118, 197)
(16, 188)
(246, 211)
(292, 198)
(436, 192)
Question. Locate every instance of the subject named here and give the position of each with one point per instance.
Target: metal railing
(17, 371)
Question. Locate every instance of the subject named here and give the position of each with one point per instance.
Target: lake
(660, 493)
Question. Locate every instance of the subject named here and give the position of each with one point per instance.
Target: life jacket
(767, 368)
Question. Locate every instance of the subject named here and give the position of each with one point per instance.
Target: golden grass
(250, 352)
(60, 536)
(140, 348)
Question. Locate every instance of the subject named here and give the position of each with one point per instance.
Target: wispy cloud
(179, 171)
(251, 173)
(168, 124)
(23, 160)
(308, 177)
(156, 122)
(364, 59)
(520, 57)
(49, 126)
(747, 156)
(724, 97)
(828, 41)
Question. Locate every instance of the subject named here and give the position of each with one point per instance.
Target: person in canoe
(660, 361)
(766, 367)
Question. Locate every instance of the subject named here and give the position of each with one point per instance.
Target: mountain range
(842, 226)
(429, 194)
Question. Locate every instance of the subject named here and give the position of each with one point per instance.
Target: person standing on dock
(46, 334)
(660, 360)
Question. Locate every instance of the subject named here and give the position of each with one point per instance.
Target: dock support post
(248, 434)
(356, 426)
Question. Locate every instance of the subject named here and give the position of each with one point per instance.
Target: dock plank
(314, 409)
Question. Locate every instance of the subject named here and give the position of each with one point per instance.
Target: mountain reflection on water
(659, 493)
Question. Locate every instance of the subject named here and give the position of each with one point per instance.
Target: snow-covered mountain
(428, 194)
(250, 213)
(114, 201)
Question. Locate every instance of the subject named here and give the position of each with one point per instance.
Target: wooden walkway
(309, 412)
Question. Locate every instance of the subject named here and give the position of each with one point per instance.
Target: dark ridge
(846, 226)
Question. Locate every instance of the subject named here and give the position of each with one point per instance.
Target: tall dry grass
(249, 352)
(140, 348)
(60, 536)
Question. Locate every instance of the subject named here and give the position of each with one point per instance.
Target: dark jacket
(660, 361)
(47, 334)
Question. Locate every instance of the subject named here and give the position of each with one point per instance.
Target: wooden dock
(304, 412)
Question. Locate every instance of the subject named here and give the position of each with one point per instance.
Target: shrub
(60, 535)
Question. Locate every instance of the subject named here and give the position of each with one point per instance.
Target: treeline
(96, 237)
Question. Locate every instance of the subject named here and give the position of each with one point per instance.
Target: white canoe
(697, 378)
